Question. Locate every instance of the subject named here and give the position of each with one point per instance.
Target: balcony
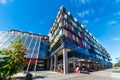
(72, 46)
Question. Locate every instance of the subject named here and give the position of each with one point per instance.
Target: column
(74, 64)
(51, 66)
(65, 61)
(55, 62)
(48, 63)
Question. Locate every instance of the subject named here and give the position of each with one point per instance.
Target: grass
(116, 71)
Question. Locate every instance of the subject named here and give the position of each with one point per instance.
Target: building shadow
(42, 77)
(24, 77)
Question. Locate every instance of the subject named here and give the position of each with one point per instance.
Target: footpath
(49, 75)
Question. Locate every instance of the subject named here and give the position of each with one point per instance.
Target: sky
(100, 17)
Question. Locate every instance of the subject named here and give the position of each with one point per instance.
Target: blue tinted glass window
(42, 50)
(42, 53)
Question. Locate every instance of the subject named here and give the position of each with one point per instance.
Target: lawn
(117, 71)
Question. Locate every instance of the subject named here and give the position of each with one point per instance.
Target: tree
(14, 60)
(118, 59)
(118, 62)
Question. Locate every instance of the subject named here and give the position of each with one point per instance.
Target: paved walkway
(99, 75)
(48, 75)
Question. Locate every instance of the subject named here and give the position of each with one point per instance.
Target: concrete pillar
(55, 62)
(48, 63)
(74, 64)
(65, 61)
(51, 65)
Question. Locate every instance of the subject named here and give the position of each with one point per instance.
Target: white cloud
(86, 12)
(116, 13)
(112, 22)
(96, 20)
(85, 21)
(116, 39)
(78, 3)
(119, 13)
(83, 1)
(82, 14)
(3, 1)
(117, 1)
(41, 22)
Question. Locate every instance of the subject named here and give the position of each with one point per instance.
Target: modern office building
(72, 45)
(67, 45)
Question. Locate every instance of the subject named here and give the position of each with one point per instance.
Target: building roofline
(28, 32)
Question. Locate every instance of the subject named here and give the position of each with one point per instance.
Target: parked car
(84, 69)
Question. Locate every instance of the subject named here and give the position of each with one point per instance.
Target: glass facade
(34, 43)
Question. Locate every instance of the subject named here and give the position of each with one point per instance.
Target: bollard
(28, 76)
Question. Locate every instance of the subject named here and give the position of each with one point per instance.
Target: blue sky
(100, 17)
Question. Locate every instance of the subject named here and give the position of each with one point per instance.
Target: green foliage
(14, 60)
(117, 64)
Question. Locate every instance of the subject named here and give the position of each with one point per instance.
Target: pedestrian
(77, 70)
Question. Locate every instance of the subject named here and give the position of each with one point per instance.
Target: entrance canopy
(84, 60)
